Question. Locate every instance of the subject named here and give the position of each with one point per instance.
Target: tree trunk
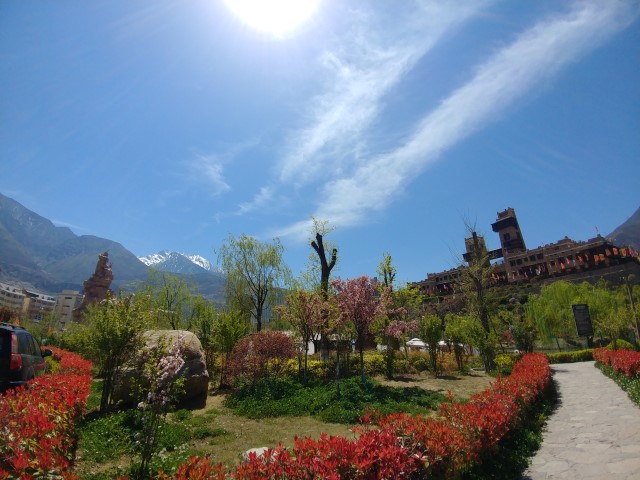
(325, 271)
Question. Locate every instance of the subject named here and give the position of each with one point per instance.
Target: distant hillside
(628, 233)
(37, 254)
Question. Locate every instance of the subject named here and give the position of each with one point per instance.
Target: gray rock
(258, 451)
(194, 370)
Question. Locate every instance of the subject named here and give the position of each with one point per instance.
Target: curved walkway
(594, 433)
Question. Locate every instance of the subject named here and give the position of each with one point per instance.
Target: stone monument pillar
(96, 288)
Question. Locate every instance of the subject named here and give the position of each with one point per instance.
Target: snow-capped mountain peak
(202, 262)
(176, 262)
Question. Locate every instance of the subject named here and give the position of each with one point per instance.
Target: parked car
(21, 357)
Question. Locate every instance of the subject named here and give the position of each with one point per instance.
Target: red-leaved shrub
(38, 421)
(258, 355)
(626, 362)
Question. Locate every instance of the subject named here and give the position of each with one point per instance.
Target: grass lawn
(105, 447)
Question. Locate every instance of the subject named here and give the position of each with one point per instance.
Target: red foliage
(259, 354)
(626, 362)
(403, 446)
(40, 421)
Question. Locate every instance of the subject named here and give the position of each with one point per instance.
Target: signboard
(582, 319)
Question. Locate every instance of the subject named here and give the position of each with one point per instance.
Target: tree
(307, 313)
(456, 335)
(204, 319)
(387, 271)
(399, 321)
(254, 270)
(259, 355)
(320, 264)
(162, 383)
(551, 311)
(172, 299)
(474, 282)
(114, 328)
(431, 334)
(7, 315)
(360, 304)
(321, 228)
(229, 328)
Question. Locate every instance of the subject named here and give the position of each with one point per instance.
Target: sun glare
(277, 17)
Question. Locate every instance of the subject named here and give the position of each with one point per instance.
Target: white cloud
(261, 198)
(537, 55)
(208, 169)
(359, 76)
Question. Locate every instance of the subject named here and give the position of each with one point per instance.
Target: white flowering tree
(161, 384)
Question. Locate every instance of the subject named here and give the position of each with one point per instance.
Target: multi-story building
(66, 303)
(11, 297)
(513, 262)
(36, 304)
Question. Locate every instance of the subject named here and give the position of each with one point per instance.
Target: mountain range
(628, 233)
(37, 254)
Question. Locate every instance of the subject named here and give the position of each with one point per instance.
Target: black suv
(21, 357)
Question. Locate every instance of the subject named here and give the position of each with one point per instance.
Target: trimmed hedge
(571, 357)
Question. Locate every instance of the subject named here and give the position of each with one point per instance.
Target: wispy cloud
(208, 169)
(77, 228)
(537, 55)
(260, 199)
(359, 75)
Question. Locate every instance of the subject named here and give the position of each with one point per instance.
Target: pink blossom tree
(307, 313)
(361, 303)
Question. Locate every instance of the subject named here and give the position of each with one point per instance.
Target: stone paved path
(593, 434)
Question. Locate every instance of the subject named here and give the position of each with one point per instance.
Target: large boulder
(194, 370)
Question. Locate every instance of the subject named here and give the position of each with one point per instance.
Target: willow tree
(551, 311)
(172, 299)
(255, 271)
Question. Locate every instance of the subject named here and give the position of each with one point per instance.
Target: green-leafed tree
(431, 333)
(474, 283)
(457, 336)
(114, 329)
(171, 298)
(203, 322)
(229, 327)
(551, 311)
(255, 271)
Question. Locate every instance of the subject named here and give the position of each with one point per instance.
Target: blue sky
(166, 124)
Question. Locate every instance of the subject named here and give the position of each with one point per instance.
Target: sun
(276, 17)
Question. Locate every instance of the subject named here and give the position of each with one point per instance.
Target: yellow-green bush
(570, 357)
(505, 361)
(621, 345)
